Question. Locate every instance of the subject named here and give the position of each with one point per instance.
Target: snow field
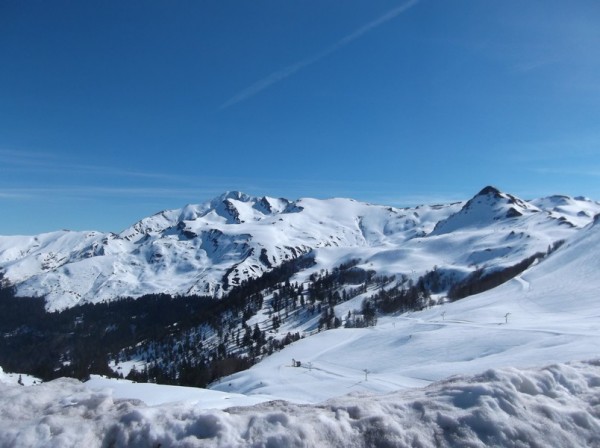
(551, 313)
(552, 406)
(548, 315)
(13, 378)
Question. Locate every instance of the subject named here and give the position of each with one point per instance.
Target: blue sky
(111, 111)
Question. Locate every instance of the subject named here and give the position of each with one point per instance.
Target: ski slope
(506, 367)
(551, 313)
(513, 354)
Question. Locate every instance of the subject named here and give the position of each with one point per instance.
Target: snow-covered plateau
(516, 365)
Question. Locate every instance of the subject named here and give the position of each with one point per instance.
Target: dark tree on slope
(480, 281)
(369, 313)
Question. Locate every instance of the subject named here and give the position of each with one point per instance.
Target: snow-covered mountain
(207, 249)
(516, 348)
(549, 313)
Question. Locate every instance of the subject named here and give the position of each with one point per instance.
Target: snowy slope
(554, 316)
(549, 314)
(553, 406)
(208, 248)
(486, 208)
(14, 378)
(576, 210)
(158, 394)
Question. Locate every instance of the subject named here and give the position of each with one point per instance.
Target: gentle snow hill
(158, 394)
(551, 313)
(209, 248)
(577, 210)
(552, 406)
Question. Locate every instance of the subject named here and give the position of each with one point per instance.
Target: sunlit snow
(518, 351)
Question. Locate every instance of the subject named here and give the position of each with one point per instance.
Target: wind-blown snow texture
(207, 249)
(554, 406)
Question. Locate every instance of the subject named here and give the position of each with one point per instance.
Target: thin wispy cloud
(32, 172)
(588, 172)
(33, 161)
(14, 195)
(84, 191)
(573, 149)
(18, 158)
(292, 69)
(525, 67)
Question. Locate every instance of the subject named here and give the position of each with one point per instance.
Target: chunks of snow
(552, 406)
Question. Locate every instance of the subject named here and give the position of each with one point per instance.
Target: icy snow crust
(553, 406)
(206, 249)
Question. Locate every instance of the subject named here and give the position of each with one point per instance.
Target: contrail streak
(292, 69)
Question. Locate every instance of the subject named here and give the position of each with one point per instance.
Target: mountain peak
(487, 206)
(489, 190)
(207, 248)
(235, 194)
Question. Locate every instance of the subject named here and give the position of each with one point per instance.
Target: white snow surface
(514, 351)
(157, 394)
(551, 313)
(206, 249)
(553, 406)
(13, 378)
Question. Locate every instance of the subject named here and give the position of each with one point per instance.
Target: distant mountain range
(210, 248)
(310, 300)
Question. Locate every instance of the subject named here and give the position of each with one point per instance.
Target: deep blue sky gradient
(111, 111)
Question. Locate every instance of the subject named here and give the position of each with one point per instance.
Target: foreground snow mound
(556, 406)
